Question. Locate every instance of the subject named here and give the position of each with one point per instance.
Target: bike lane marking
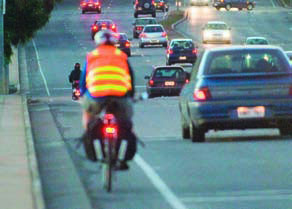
(159, 184)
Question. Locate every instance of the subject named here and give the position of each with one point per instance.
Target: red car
(90, 5)
(102, 25)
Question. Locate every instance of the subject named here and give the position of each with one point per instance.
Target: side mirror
(147, 77)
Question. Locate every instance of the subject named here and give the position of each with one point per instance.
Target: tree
(22, 19)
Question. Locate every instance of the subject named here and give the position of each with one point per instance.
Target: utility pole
(4, 82)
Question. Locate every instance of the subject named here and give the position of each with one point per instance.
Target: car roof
(289, 53)
(142, 18)
(104, 20)
(242, 47)
(181, 39)
(167, 66)
(216, 22)
(256, 37)
(151, 25)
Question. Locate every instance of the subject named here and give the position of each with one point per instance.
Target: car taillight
(202, 94)
(127, 44)
(164, 34)
(136, 2)
(161, 3)
(153, 3)
(187, 80)
(142, 35)
(94, 27)
(169, 51)
(84, 4)
(195, 51)
(151, 82)
(77, 93)
(290, 91)
(113, 27)
(139, 28)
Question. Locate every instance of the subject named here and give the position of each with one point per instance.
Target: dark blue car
(238, 87)
(181, 51)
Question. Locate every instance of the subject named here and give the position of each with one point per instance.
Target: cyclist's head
(105, 37)
(77, 66)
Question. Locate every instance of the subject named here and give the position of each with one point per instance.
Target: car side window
(195, 69)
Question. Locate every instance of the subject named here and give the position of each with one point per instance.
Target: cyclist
(75, 74)
(107, 77)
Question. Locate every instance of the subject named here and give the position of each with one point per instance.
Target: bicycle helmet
(105, 37)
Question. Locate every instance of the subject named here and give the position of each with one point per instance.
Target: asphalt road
(249, 169)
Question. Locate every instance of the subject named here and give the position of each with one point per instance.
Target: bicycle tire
(107, 167)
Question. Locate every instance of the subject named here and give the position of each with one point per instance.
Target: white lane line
(40, 68)
(159, 184)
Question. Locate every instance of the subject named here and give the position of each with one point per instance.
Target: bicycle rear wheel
(107, 166)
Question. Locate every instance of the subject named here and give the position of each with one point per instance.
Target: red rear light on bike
(109, 116)
(127, 44)
(202, 94)
(94, 27)
(110, 130)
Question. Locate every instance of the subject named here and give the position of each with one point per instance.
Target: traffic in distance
(259, 73)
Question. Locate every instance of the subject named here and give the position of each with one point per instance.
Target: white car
(216, 32)
(153, 35)
(199, 2)
(256, 41)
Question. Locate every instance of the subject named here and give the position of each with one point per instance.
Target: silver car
(256, 41)
(216, 31)
(153, 35)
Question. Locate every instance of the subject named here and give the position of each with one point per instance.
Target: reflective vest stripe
(107, 69)
(108, 87)
(113, 82)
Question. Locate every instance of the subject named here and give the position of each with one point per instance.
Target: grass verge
(172, 17)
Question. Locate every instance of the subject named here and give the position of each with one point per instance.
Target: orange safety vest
(107, 72)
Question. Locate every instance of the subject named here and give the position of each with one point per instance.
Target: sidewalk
(15, 180)
(20, 186)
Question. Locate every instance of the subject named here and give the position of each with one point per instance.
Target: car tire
(141, 45)
(165, 45)
(184, 128)
(228, 7)
(249, 7)
(154, 14)
(129, 54)
(218, 8)
(166, 10)
(135, 35)
(196, 134)
(83, 12)
(92, 37)
(239, 9)
(163, 10)
(98, 11)
(135, 15)
(205, 42)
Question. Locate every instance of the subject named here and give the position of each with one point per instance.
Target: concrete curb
(283, 4)
(37, 191)
(173, 26)
(33, 165)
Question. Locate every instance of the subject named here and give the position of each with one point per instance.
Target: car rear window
(182, 44)
(241, 62)
(153, 29)
(145, 21)
(168, 73)
(104, 22)
(217, 26)
(123, 37)
(257, 41)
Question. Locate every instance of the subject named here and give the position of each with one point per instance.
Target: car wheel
(228, 7)
(196, 134)
(165, 45)
(92, 37)
(135, 35)
(218, 8)
(129, 54)
(166, 10)
(239, 9)
(184, 128)
(204, 42)
(249, 7)
(135, 15)
(98, 11)
(154, 14)
(163, 10)
(83, 11)
(141, 45)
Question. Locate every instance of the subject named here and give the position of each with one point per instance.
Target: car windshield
(182, 44)
(241, 62)
(257, 41)
(216, 26)
(145, 21)
(168, 73)
(153, 29)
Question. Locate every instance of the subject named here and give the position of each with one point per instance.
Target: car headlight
(226, 34)
(207, 33)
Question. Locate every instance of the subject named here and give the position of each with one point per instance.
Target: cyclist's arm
(82, 83)
(132, 93)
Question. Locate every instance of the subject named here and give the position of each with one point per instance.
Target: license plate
(154, 41)
(251, 112)
(169, 83)
(183, 58)
(90, 5)
(117, 45)
(139, 8)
